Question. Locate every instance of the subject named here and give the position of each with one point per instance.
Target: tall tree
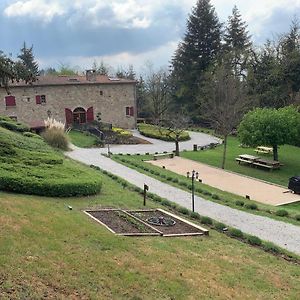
(226, 101)
(237, 41)
(198, 50)
(27, 58)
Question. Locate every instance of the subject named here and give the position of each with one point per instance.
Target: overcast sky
(121, 32)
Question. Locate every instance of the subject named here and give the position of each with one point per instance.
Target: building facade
(72, 99)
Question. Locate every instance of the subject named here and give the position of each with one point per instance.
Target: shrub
(12, 125)
(220, 226)
(183, 183)
(239, 203)
(31, 134)
(282, 213)
(207, 193)
(56, 138)
(195, 215)
(163, 176)
(254, 240)
(270, 247)
(157, 198)
(183, 210)
(206, 220)
(215, 196)
(252, 206)
(297, 217)
(169, 178)
(175, 180)
(6, 149)
(235, 233)
(200, 191)
(166, 202)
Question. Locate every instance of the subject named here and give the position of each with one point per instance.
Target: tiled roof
(72, 80)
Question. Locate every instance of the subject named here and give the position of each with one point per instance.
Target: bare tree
(224, 103)
(174, 126)
(157, 92)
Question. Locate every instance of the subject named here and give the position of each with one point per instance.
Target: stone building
(72, 99)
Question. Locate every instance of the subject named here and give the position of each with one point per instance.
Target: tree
(102, 68)
(173, 127)
(237, 42)
(270, 127)
(11, 71)
(196, 53)
(225, 103)
(128, 73)
(157, 92)
(27, 58)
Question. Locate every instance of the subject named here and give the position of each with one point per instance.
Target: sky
(122, 32)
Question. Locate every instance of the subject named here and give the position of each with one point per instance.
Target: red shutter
(90, 114)
(38, 99)
(131, 110)
(69, 116)
(10, 101)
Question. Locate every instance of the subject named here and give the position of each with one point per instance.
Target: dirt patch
(137, 222)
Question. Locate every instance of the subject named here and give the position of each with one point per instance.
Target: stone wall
(108, 99)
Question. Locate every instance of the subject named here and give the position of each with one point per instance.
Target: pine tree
(237, 41)
(27, 58)
(199, 49)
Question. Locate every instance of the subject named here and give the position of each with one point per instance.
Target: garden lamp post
(194, 176)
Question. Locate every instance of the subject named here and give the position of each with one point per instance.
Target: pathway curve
(282, 234)
(201, 139)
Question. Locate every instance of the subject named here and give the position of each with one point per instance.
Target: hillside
(29, 166)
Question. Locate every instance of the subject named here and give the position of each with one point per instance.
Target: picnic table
(263, 149)
(255, 161)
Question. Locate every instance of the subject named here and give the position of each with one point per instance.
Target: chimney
(91, 75)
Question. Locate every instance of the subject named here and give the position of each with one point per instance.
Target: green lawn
(48, 251)
(288, 155)
(82, 139)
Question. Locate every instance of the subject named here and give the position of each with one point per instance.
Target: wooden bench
(269, 167)
(163, 155)
(243, 160)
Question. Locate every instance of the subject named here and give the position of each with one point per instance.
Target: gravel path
(198, 138)
(282, 234)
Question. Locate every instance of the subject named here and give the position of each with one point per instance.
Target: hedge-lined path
(201, 139)
(282, 234)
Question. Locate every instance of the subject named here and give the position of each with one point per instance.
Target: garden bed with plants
(160, 133)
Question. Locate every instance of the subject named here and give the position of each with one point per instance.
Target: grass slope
(81, 139)
(28, 165)
(48, 251)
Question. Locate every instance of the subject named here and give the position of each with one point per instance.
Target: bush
(235, 233)
(282, 213)
(220, 226)
(31, 134)
(195, 215)
(12, 125)
(183, 210)
(251, 206)
(297, 217)
(239, 203)
(254, 240)
(169, 178)
(175, 180)
(6, 149)
(206, 220)
(215, 196)
(166, 202)
(207, 193)
(56, 138)
(270, 247)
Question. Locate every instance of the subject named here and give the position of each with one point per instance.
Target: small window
(10, 101)
(129, 111)
(43, 99)
(101, 93)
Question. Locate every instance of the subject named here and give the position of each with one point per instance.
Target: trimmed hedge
(152, 131)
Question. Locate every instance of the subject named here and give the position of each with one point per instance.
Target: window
(10, 101)
(40, 99)
(129, 111)
(101, 93)
(43, 99)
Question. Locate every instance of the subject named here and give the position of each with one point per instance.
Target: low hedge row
(163, 134)
(229, 231)
(51, 188)
(239, 203)
(12, 125)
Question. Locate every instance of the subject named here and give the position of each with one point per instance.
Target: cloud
(39, 9)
